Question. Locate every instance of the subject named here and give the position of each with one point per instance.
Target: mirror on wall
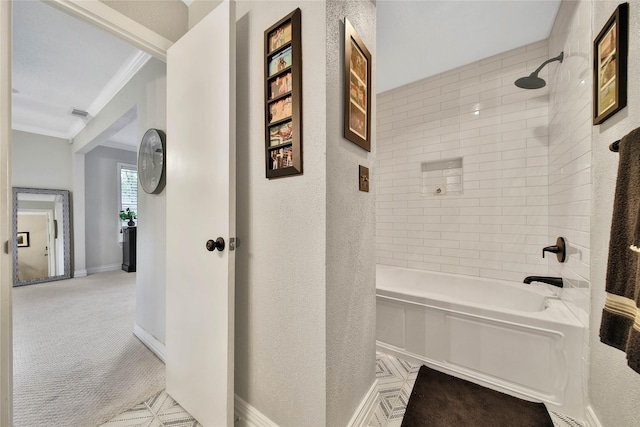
(41, 235)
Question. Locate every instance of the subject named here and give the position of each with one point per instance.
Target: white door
(200, 207)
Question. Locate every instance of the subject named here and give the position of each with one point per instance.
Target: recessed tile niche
(442, 178)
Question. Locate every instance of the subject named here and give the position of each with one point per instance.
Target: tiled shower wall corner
(498, 225)
(570, 130)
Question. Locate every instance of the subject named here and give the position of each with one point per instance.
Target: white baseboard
(366, 408)
(591, 418)
(103, 268)
(151, 342)
(80, 273)
(248, 416)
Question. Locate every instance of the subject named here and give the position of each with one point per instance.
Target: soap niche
(442, 178)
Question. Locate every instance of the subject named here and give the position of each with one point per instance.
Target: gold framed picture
(610, 66)
(357, 88)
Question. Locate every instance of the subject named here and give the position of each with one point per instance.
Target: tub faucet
(555, 281)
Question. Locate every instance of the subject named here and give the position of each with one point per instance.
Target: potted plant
(128, 215)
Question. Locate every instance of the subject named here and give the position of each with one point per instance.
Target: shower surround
(497, 225)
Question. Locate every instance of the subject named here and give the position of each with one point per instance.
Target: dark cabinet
(129, 250)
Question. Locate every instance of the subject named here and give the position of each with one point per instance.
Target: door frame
(103, 16)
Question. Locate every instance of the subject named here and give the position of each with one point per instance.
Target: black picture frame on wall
(610, 66)
(357, 88)
(22, 239)
(283, 97)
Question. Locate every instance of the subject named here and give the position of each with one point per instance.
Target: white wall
(350, 241)
(40, 161)
(102, 223)
(145, 94)
(498, 226)
(614, 387)
(32, 263)
(280, 363)
(570, 95)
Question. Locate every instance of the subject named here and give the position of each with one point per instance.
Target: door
(200, 198)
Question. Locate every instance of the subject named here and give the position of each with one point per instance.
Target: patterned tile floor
(159, 411)
(395, 382)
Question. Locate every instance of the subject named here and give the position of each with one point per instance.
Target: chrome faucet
(555, 281)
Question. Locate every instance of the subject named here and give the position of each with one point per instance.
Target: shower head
(532, 81)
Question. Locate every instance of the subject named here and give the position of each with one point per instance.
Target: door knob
(218, 244)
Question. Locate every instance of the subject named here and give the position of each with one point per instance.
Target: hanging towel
(620, 327)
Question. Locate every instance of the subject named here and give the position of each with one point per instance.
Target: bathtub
(515, 338)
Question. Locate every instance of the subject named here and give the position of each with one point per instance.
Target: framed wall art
(357, 89)
(23, 239)
(610, 66)
(283, 97)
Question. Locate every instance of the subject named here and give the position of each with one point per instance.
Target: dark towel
(620, 311)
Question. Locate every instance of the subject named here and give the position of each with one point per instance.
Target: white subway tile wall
(570, 126)
(498, 223)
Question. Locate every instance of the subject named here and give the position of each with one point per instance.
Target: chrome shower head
(532, 81)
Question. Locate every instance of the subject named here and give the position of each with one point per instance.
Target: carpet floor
(440, 400)
(76, 360)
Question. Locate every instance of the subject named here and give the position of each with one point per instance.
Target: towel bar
(615, 147)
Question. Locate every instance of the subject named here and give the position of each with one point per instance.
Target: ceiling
(61, 63)
(419, 39)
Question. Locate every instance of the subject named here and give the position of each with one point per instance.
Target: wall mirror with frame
(41, 235)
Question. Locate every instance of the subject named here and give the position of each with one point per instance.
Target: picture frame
(610, 66)
(22, 239)
(283, 97)
(357, 88)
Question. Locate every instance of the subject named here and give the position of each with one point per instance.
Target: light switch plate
(363, 178)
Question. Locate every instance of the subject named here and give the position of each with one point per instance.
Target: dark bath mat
(440, 400)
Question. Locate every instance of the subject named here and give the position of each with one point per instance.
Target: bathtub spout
(555, 281)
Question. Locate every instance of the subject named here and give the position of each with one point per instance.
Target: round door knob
(218, 244)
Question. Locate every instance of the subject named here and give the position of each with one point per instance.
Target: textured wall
(350, 243)
(570, 95)
(40, 161)
(102, 224)
(280, 265)
(498, 226)
(199, 9)
(614, 387)
(169, 18)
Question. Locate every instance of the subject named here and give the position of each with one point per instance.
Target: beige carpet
(76, 360)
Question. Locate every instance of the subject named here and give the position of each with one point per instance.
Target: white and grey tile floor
(395, 382)
(159, 411)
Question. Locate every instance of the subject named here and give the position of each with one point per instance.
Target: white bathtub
(515, 338)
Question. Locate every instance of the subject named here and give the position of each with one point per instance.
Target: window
(128, 187)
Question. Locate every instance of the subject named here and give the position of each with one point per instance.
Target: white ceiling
(419, 39)
(61, 63)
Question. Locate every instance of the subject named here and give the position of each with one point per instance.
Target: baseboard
(80, 273)
(366, 408)
(103, 268)
(151, 342)
(248, 416)
(591, 418)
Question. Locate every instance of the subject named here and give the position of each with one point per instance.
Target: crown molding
(41, 131)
